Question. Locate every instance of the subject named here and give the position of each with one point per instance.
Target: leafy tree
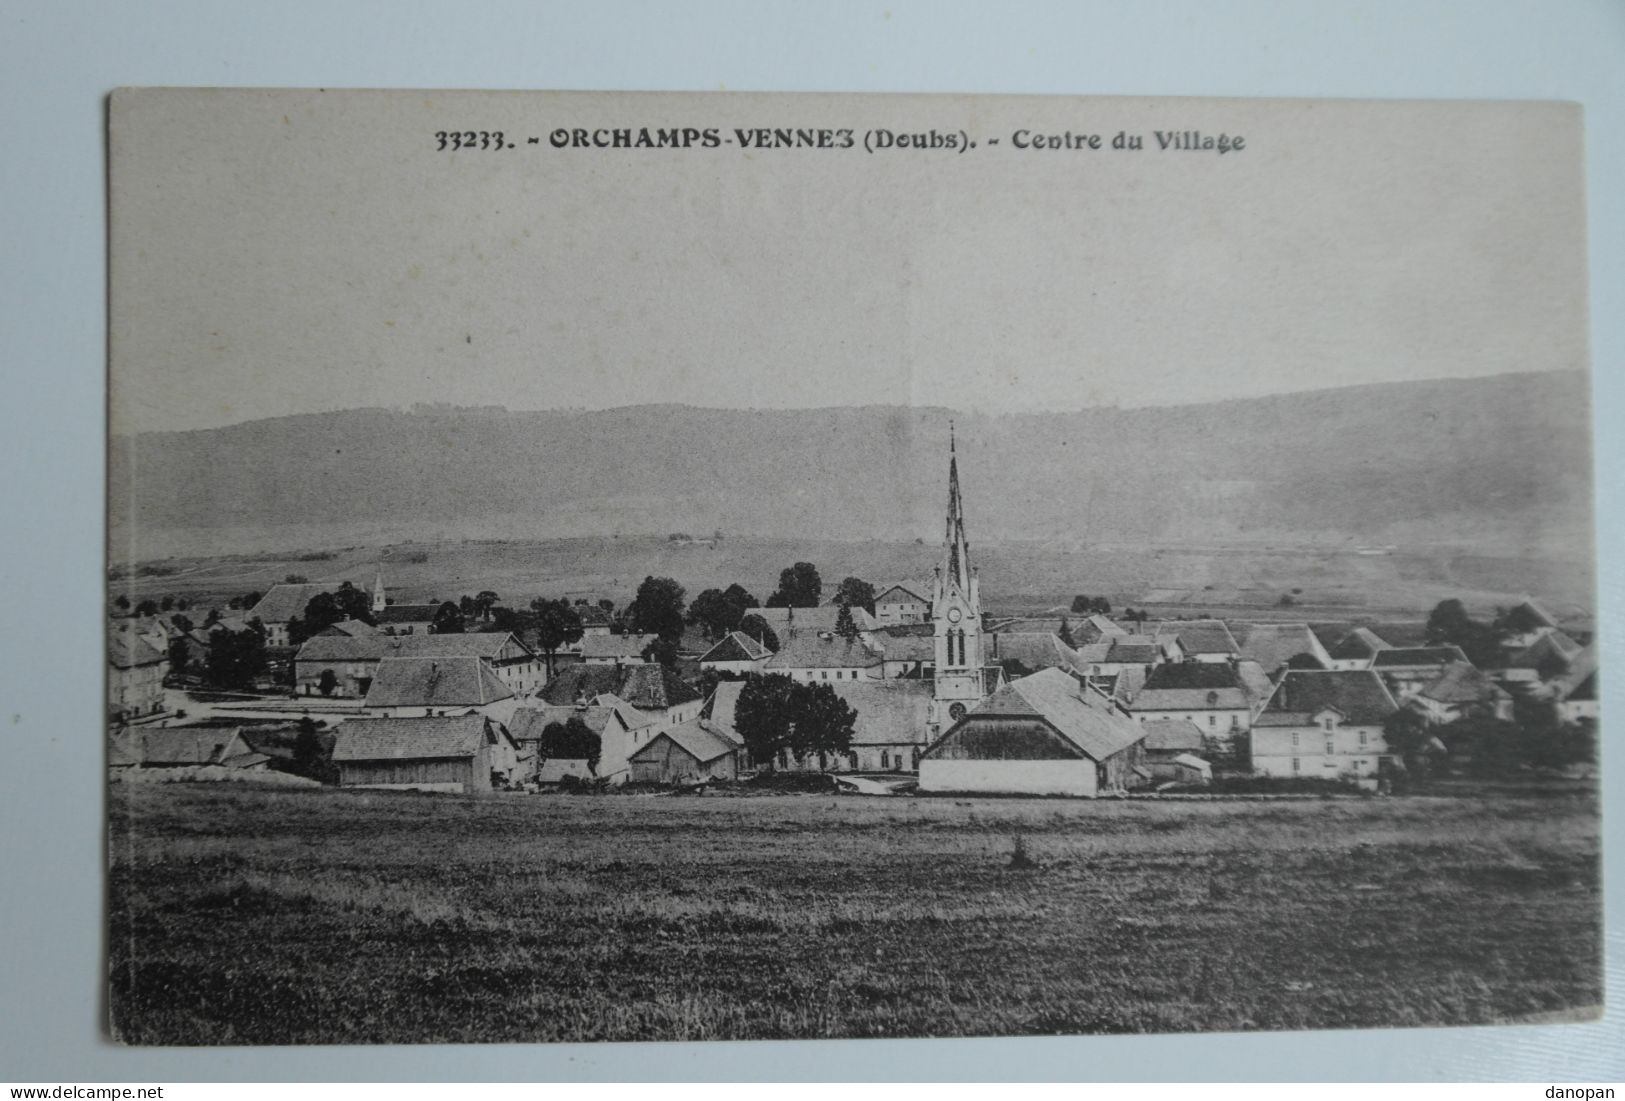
(1450, 625)
(658, 608)
(235, 603)
(1408, 733)
(757, 628)
(762, 716)
(1081, 604)
(1100, 606)
(235, 658)
(181, 621)
(313, 753)
(1064, 632)
(167, 603)
(799, 587)
(1519, 620)
(327, 682)
(121, 602)
(295, 579)
(465, 605)
(571, 740)
(484, 601)
(250, 598)
(181, 604)
(661, 651)
(448, 620)
(607, 604)
(214, 617)
(821, 722)
(180, 652)
(855, 592)
(845, 625)
(714, 611)
(146, 608)
(325, 609)
(557, 624)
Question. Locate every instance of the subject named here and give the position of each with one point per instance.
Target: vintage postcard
(632, 567)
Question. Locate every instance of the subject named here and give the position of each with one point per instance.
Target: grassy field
(244, 916)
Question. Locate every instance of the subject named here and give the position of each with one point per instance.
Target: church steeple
(957, 569)
(956, 613)
(379, 600)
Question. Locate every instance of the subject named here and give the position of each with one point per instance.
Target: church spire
(957, 548)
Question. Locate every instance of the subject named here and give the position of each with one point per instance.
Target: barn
(687, 753)
(1039, 735)
(463, 753)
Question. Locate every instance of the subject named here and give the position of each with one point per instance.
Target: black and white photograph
(728, 566)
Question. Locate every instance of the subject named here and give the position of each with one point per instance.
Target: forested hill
(1504, 460)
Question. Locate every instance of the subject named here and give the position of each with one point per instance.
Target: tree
(313, 753)
(295, 579)
(484, 601)
(799, 587)
(557, 624)
(661, 651)
(180, 652)
(571, 740)
(1064, 632)
(757, 628)
(855, 592)
(121, 602)
(250, 598)
(235, 658)
(607, 604)
(1100, 606)
(1519, 620)
(1081, 604)
(448, 620)
(181, 621)
(845, 626)
(465, 605)
(713, 611)
(1408, 733)
(762, 716)
(658, 608)
(147, 608)
(167, 603)
(327, 682)
(1450, 625)
(821, 723)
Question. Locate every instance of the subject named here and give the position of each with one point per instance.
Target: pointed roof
(956, 569)
(1460, 682)
(737, 646)
(1358, 645)
(1199, 636)
(180, 746)
(1083, 718)
(697, 737)
(1359, 695)
(821, 650)
(127, 650)
(440, 737)
(284, 601)
(652, 687)
(528, 723)
(1272, 645)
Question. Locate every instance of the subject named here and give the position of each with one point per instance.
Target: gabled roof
(1199, 636)
(1416, 657)
(1093, 628)
(1193, 686)
(375, 646)
(1131, 650)
(411, 739)
(283, 602)
(907, 646)
(903, 592)
(1172, 736)
(1580, 682)
(724, 698)
(615, 647)
(128, 650)
(180, 746)
(407, 613)
(435, 682)
(528, 723)
(1533, 609)
(889, 711)
(697, 737)
(631, 716)
(1084, 719)
(652, 687)
(736, 646)
(1359, 695)
(1460, 683)
(1272, 645)
(1357, 645)
(814, 650)
(799, 621)
(1552, 649)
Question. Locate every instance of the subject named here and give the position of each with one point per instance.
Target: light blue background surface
(58, 60)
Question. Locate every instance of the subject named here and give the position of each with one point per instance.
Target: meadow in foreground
(250, 916)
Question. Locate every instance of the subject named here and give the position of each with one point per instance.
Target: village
(903, 686)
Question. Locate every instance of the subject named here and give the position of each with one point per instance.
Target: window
(1329, 723)
(1212, 720)
(1294, 744)
(885, 759)
(1330, 749)
(1297, 765)
(1362, 739)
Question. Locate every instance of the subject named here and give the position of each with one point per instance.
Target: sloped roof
(1083, 719)
(1551, 648)
(1255, 680)
(179, 746)
(736, 646)
(1358, 644)
(697, 737)
(128, 650)
(631, 716)
(352, 628)
(435, 682)
(907, 646)
(1192, 686)
(1093, 628)
(918, 591)
(283, 602)
(374, 646)
(812, 650)
(1199, 636)
(652, 687)
(528, 723)
(340, 647)
(1396, 657)
(1273, 644)
(580, 681)
(1580, 682)
(407, 613)
(1535, 611)
(724, 699)
(1359, 695)
(1131, 650)
(1172, 736)
(1462, 683)
(1034, 649)
(409, 739)
(610, 647)
(801, 621)
(889, 711)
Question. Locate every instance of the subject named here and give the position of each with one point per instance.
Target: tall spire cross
(958, 547)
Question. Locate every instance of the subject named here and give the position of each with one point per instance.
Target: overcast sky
(277, 253)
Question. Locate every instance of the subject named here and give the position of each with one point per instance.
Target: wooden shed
(464, 753)
(687, 753)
